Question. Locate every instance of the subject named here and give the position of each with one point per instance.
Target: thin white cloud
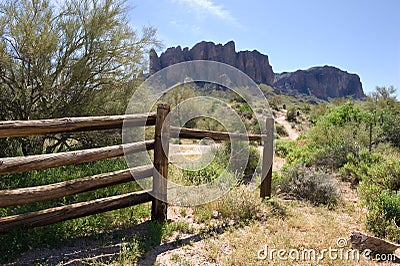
(207, 7)
(184, 27)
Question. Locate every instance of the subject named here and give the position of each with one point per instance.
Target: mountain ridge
(323, 82)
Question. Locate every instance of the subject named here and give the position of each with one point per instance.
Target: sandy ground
(281, 119)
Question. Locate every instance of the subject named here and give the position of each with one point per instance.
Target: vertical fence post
(268, 155)
(160, 172)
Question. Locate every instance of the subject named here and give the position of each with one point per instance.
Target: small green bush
(384, 216)
(284, 147)
(302, 154)
(281, 130)
(296, 151)
(372, 169)
(335, 156)
(378, 179)
(291, 114)
(204, 175)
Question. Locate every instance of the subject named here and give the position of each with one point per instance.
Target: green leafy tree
(385, 111)
(57, 57)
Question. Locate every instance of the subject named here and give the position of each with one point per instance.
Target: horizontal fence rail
(53, 191)
(68, 212)
(189, 133)
(72, 124)
(12, 165)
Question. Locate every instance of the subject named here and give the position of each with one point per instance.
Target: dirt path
(280, 118)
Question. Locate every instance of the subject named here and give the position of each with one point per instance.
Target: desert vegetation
(342, 172)
(357, 140)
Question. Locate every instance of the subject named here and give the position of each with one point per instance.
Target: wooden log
(68, 212)
(72, 124)
(53, 191)
(362, 242)
(43, 161)
(190, 133)
(160, 176)
(268, 156)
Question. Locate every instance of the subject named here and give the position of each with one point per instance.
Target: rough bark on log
(72, 124)
(20, 164)
(53, 191)
(190, 133)
(76, 210)
(362, 242)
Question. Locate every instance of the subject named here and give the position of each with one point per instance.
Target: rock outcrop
(323, 82)
(253, 63)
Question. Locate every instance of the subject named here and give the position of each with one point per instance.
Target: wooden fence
(158, 170)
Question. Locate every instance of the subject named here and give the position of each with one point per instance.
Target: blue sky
(360, 37)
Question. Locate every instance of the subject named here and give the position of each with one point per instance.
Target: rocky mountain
(253, 63)
(322, 82)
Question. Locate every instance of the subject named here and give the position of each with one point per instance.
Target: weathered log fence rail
(163, 132)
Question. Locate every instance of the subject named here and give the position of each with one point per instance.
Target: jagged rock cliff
(323, 82)
(253, 63)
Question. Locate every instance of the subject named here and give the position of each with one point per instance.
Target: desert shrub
(378, 179)
(252, 165)
(305, 108)
(296, 151)
(317, 111)
(278, 180)
(281, 130)
(391, 127)
(346, 123)
(302, 154)
(373, 170)
(197, 175)
(356, 167)
(310, 185)
(219, 166)
(175, 141)
(203, 175)
(335, 156)
(384, 216)
(291, 114)
(284, 147)
(239, 204)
